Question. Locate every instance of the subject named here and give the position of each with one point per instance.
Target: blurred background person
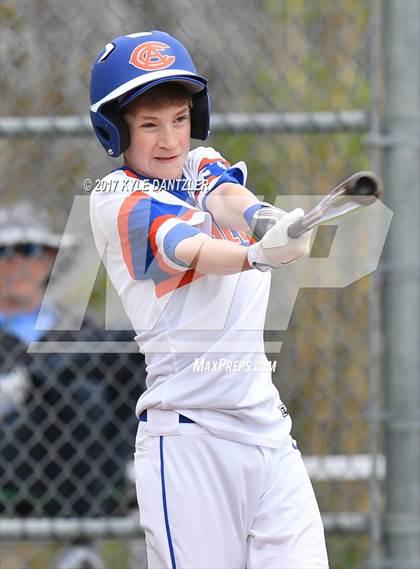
(61, 413)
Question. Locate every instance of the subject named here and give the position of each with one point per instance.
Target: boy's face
(159, 139)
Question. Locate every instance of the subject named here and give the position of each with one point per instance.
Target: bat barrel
(364, 184)
(360, 190)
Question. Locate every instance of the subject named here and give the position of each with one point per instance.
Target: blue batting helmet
(130, 65)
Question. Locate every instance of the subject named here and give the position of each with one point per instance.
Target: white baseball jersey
(202, 335)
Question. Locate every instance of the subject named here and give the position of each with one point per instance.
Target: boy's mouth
(166, 158)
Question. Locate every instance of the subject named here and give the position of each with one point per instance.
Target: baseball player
(220, 482)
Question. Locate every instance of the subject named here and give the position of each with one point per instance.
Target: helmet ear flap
(200, 115)
(112, 131)
(121, 126)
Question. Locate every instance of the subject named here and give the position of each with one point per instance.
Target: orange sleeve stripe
(123, 217)
(177, 281)
(188, 214)
(206, 161)
(152, 239)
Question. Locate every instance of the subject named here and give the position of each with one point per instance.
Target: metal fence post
(375, 291)
(402, 427)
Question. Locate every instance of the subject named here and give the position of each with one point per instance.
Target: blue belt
(182, 418)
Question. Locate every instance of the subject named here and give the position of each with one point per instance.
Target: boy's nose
(167, 138)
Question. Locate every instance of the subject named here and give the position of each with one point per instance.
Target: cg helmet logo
(149, 56)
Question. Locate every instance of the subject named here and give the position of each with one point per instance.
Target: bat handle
(296, 229)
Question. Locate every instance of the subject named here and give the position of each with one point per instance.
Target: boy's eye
(148, 125)
(181, 119)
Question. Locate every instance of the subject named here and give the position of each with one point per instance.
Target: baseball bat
(359, 190)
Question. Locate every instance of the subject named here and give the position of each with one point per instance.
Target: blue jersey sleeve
(212, 170)
(149, 231)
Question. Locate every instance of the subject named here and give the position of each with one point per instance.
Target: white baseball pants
(212, 503)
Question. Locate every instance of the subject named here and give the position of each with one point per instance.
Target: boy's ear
(121, 125)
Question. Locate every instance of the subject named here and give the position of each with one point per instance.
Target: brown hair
(159, 96)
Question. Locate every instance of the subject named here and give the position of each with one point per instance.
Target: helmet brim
(191, 84)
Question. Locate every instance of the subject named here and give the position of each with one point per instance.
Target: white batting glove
(264, 219)
(276, 248)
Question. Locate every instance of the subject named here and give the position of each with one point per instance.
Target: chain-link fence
(294, 87)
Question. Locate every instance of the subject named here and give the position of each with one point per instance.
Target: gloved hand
(264, 219)
(276, 248)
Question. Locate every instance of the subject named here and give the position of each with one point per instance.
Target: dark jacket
(67, 437)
